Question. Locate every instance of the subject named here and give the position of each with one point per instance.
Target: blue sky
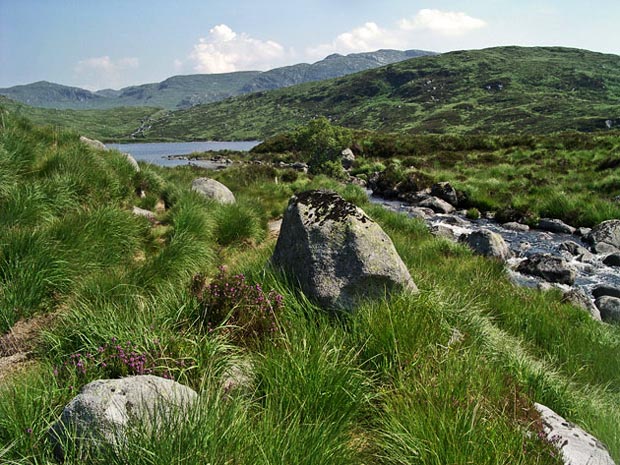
(111, 43)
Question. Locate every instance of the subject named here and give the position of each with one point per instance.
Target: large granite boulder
(132, 161)
(576, 446)
(337, 253)
(605, 237)
(101, 415)
(213, 189)
(609, 308)
(348, 158)
(579, 299)
(487, 243)
(550, 268)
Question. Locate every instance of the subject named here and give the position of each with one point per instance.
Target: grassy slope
(107, 125)
(387, 386)
(542, 90)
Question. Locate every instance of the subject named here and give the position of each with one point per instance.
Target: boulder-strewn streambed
(571, 251)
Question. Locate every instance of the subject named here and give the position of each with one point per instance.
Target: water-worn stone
(348, 158)
(582, 232)
(612, 259)
(487, 243)
(445, 191)
(609, 308)
(555, 226)
(103, 412)
(574, 249)
(602, 290)
(337, 253)
(550, 268)
(576, 445)
(213, 189)
(579, 299)
(605, 237)
(514, 226)
(419, 212)
(94, 143)
(437, 205)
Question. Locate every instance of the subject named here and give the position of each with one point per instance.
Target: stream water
(591, 272)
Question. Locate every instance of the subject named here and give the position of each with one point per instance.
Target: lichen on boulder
(336, 252)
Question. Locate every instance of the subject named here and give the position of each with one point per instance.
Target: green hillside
(108, 125)
(496, 90)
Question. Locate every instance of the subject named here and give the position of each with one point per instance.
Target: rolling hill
(186, 91)
(495, 90)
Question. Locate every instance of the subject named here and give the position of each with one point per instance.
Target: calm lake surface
(158, 152)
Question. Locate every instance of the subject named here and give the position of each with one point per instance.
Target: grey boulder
(555, 226)
(579, 299)
(612, 259)
(132, 161)
(213, 189)
(550, 268)
(605, 237)
(514, 226)
(94, 143)
(337, 253)
(487, 243)
(609, 308)
(445, 191)
(437, 205)
(104, 411)
(601, 290)
(348, 158)
(577, 251)
(576, 446)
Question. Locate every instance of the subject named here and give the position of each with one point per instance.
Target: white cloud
(407, 33)
(104, 72)
(223, 51)
(361, 39)
(449, 23)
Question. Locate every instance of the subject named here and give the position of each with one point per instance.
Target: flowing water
(591, 272)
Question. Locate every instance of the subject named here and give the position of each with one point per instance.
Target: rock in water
(605, 237)
(437, 205)
(487, 243)
(101, 414)
(213, 189)
(336, 252)
(550, 268)
(555, 226)
(576, 446)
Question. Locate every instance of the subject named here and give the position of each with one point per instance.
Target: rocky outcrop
(103, 412)
(605, 237)
(212, 189)
(609, 308)
(555, 226)
(487, 243)
(337, 253)
(576, 446)
(550, 268)
(149, 215)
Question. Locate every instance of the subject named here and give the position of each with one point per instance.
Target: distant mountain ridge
(186, 91)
